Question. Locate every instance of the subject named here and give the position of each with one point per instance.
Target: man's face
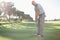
(33, 3)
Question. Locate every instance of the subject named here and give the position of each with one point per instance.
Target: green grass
(26, 31)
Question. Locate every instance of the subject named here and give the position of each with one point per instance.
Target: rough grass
(26, 31)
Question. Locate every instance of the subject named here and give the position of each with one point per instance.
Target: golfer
(39, 17)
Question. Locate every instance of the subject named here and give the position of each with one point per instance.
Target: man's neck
(36, 5)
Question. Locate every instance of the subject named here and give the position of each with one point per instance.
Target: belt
(41, 14)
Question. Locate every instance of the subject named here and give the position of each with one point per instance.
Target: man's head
(34, 3)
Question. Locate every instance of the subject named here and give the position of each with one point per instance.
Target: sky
(51, 7)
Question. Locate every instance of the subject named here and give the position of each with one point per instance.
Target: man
(39, 18)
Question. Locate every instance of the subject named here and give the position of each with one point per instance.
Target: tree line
(9, 12)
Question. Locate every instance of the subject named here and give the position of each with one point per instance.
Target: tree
(20, 14)
(28, 17)
(0, 12)
(6, 7)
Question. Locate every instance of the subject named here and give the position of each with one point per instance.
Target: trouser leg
(40, 25)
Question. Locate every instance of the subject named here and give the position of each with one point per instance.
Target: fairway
(26, 31)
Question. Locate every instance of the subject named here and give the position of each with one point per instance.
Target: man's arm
(37, 14)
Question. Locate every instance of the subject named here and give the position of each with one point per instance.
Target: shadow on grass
(28, 34)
